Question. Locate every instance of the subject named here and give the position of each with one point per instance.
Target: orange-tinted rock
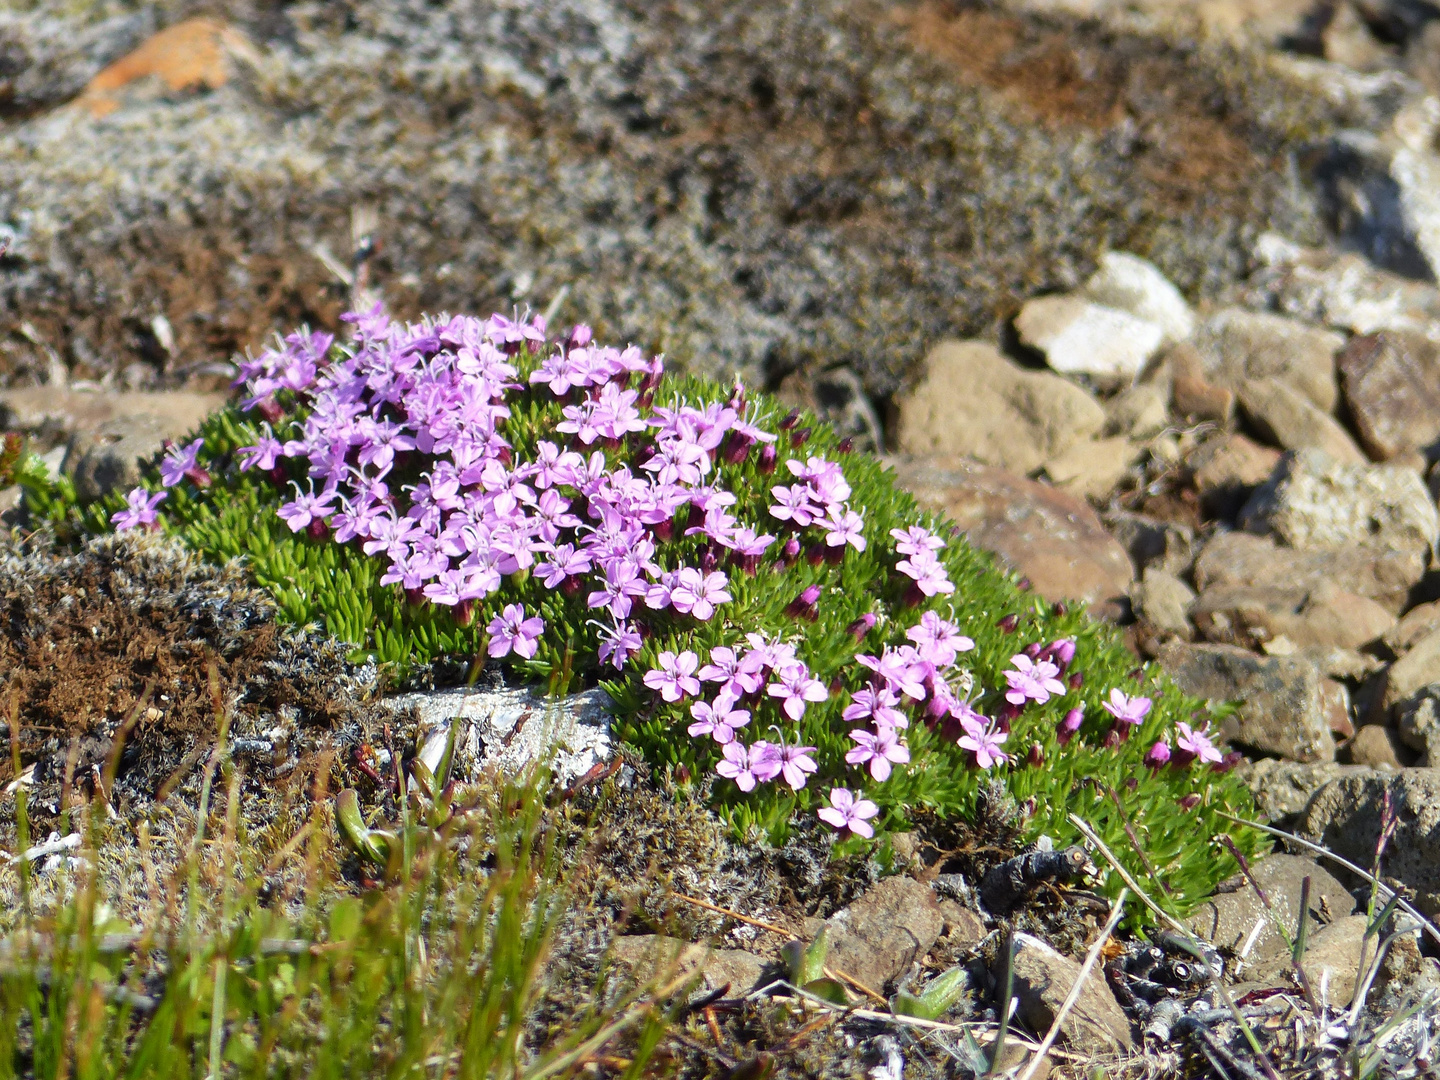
(187, 56)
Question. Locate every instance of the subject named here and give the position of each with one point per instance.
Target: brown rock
(1346, 815)
(880, 935)
(1409, 675)
(1163, 601)
(1335, 701)
(1137, 413)
(1042, 980)
(971, 401)
(1332, 962)
(964, 929)
(1191, 391)
(1241, 345)
(1227, 469)
(1283, 709)
(34, 407)
(1167, 545)
(1392, 385)
(1094, 468)
(1420, 621)
(1376, 746)
(1240, 559)
(1048, 536)
(1286, 418)
(655, 957)
(1229, 917)
(1324, 616)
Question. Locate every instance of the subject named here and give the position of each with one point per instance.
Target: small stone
(1345, 816)
(1080, 337)
(1228, 918)
(964, 929)
(1043, 978)
(189, 55)
(1282, 789)
(1240, 345)
(1192, 392)
(1410, 675)
(649, 958)
(1227, 469)
(1392, 387)
(971, 401)
(880, 935)
(1051, 537)
(1092, 469)
(1283, 709)
(1344, 291)
(1419, 725)
(1168, 545)
(1420, 621)
(1347, 40)
(1163, 600)
(1324, 616)
(1131, 284)
(1137, 413)
(1377, 746)
(1314, 501)
(1241, 559)
(1287, 419)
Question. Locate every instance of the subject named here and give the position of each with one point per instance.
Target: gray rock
(655, 958)
(1415, 168)
(1166, 545)
(1345, 816)
(1314, 501)
(1283, 708)
(1049, 536)
(1241, 345)
(1137, 413)
(964, 928)
(1335, 955)
(1242, 559)
(1324, 616)
(877, 938)
(1081, 337)
(1418, 725)
(1376, 746)
(1282, 789)
(1409, 677)
(1392, 388)
(1163, 600)
(1131, 284)
(973, 402)
(1289, 420)
(1042, 980)
(512, 729)
(1229, 918)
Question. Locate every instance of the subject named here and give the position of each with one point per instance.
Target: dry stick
(836, 973)
(1186, 933)
(1116, 910)
(1405, 905)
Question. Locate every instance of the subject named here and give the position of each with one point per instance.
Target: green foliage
(1172, 813)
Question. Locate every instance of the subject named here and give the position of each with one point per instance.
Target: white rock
(1078, 336)
(1131, 284)
(1415, 168)
(510, 729)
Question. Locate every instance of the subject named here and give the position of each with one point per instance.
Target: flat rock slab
(1229, 918)
(652, 958)
(1042, 980)
(879, 936)
(512, 729)
(1346, 815)
(1049, 536)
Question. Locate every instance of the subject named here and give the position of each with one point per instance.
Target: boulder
(1289, 420)
(1094, 468)
(1324, 616)
(1042, 979)
(1228, 918)
(1282, 789)
(971, 401)
(875, 939)
(1079, 337)
(1392, 387)
(1346, 817)
(1240, 345)
(1227, 469)
(1049, 536)
(655, 958)
(1283, 707)
(1335, 955)
(1129, 283)
(1314, 501)
(1242, 559)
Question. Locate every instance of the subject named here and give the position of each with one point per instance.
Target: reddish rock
(1048, 536)
(1377, 746)
(1392, 385)
(1419, 622)
(1227, 469)
(880, 935)
(190, 55)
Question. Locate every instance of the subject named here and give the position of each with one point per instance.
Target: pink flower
(1197, 743)
(843, 527)
(938, 641)
(675, 676)
(795, 687)
(877, 704)
(847, 812)
(879, 749)
(179, 462)
(1125, 709)
(747, 765)
(695, 593)
(984, 740)
(510, 630)
(1158, 754)
(140, 509)
(720, 721)
(618, 644)
(1032, 681)
(795, 763)
(928, 572)
(913, 540)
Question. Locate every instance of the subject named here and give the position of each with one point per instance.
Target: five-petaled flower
(140, 509)
(847, 812)
(1032, 681)
(674, 678)
(1126, 709)
(510, 630)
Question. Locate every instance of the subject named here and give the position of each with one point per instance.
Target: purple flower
(1197, 744)
(794, 687)
(720, 721)
(510, 630)
(928, 573)
(878, 749)
(674, 678)
(140, 509)
(697, 594)
(179, 462)
(1071, 724)
(898, 670)
(1158, 754)
(793, 504)
(747, 765)
(877, 705)
(847, 812)
(915, 540)
(795, 764)
(843, 527)
(307, 509)
(1125, 709)
(984, 740)
(937, 641)
(618, 644)
(1032, 681)
(265, 454)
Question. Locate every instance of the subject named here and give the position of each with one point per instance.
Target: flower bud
(1073, 719)
(1058, 609)
(1032, 650)
(664, 530)
(1009, 623)
(805, 606)
(580, 336)
(845, 445)
(1076, 680)
(463, 612)
(1023, 584)
(1062, 652)
(1228, 762)
(791, 419)
(1158, 755)
(801, 436)
(767, 459)
(270, 410)
(414, 597)
(1036, 757)
(317, 529)
(791, 548)
(737, 448)
(815, 554)
(861, 626)
(1189, 802)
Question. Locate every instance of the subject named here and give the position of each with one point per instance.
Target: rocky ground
(1142, 295)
